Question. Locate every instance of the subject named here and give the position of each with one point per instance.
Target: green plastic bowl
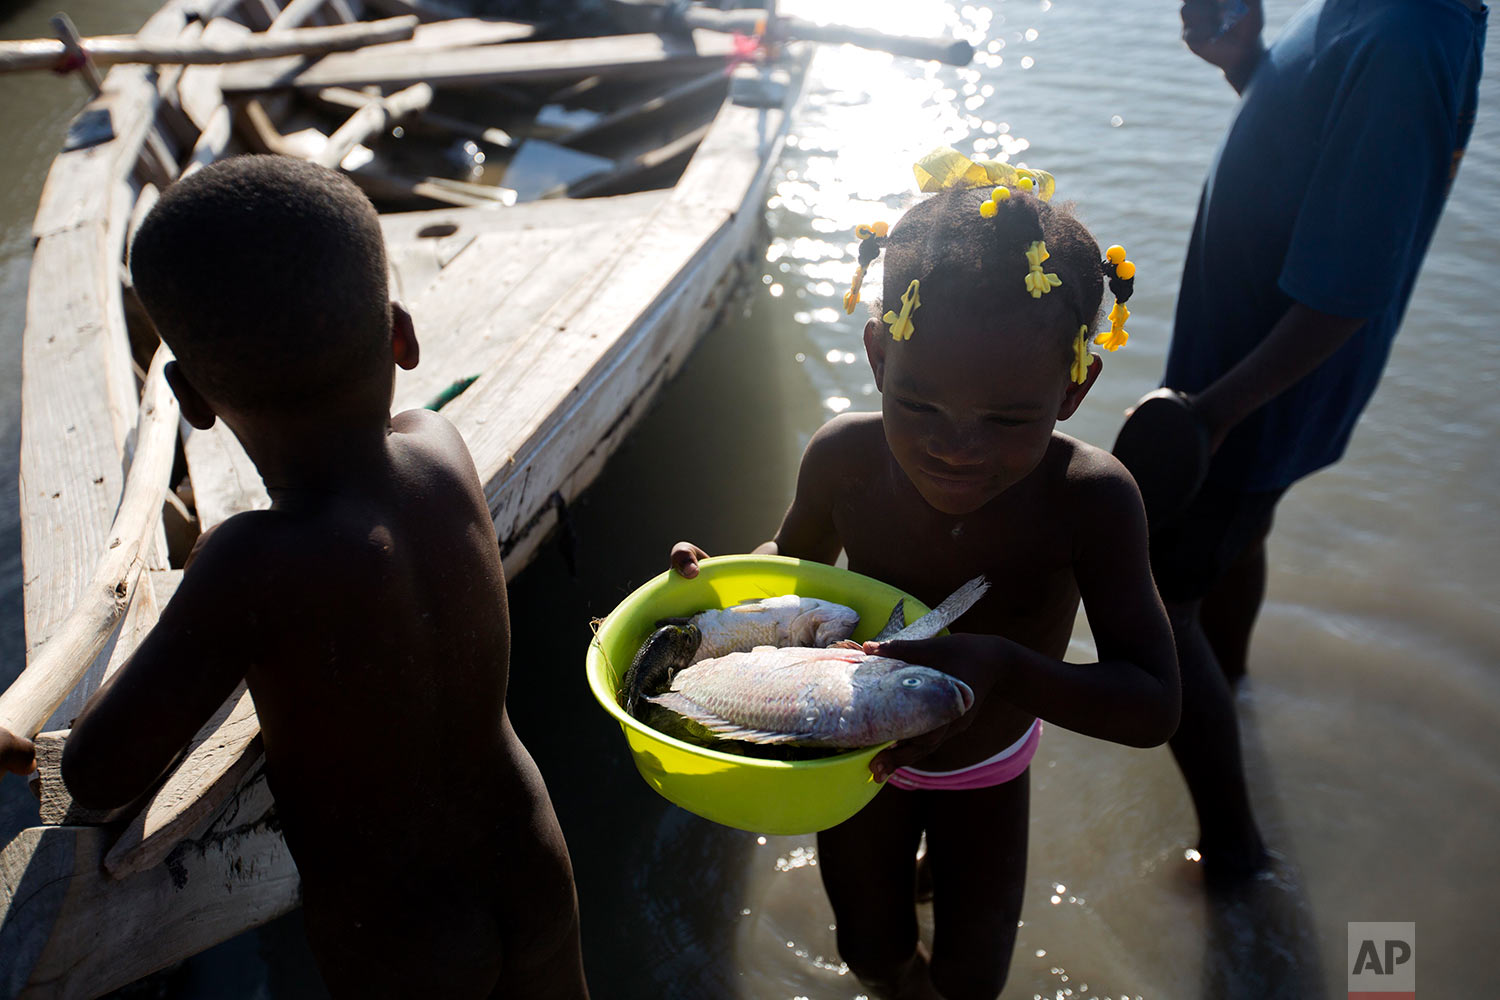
(762, 796)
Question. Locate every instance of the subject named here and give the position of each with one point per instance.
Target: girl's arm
(1131, 694)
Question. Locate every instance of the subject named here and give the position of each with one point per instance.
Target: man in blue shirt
(1311, 228)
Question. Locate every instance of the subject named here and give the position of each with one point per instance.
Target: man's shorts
(1191, 552)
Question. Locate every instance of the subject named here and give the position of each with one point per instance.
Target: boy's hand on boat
(685, 556)
(17, 754)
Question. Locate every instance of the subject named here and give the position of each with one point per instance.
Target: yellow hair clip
(901, 326)
(1116, 337)
(1038, 283)
(946, 167)
(1082, 359)
(868, 251)
(1115, 266)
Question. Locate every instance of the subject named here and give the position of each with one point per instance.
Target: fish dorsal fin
(947, 613)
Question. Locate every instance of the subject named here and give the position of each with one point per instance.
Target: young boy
(962, 473)
(366, 608)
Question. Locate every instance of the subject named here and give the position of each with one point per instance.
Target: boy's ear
(875, 351)
(195, 409)
(404, 346)
(1073, 397)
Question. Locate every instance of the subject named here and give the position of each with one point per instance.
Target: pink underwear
(997, 770)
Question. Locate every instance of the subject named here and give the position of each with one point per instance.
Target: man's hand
(17, 754)
(685, 556)
(1226, 34)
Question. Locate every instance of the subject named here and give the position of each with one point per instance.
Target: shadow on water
(1261, 942)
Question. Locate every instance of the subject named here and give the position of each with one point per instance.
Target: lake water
(1370, 714)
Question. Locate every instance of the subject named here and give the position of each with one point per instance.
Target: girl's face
(969, 413)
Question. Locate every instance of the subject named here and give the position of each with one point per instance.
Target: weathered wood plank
(72, 646)
(475, 310)
(80, 182)
(198, 91)
(110, 50)
(77, 404)
(218, 759)
(68, 930)
(538, 415)
(372, 119)
(514, 62)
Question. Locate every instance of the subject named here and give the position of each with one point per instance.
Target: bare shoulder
(433, 436)
(1094, 478)
(847, 442)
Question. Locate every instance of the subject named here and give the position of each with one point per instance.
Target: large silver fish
(788, 620)
(815, 697)
(840, 697)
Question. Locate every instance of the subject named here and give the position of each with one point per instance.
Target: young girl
(993, 296)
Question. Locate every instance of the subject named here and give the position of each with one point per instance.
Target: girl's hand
(17, 754)
(684, 559)
(973, 659)
(1226, 34)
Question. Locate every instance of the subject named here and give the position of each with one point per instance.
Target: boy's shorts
(1191, 552)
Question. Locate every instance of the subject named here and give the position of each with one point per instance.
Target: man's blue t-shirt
(1325, 191)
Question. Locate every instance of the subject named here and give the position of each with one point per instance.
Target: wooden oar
(107, 50)
(953, 51)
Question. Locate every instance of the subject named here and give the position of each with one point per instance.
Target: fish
(814, 697)
(788, 620)
(839, 696)
(661, 656)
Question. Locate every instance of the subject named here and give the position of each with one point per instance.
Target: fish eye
(911, 682)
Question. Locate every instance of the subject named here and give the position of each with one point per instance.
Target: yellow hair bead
(1000, 194)
(1025, 184)
(1082, 359)
(1115, 254)
(988, 209)
(901, 326)
(881, 229)
(1126, 269)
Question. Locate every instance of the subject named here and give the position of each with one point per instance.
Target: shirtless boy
(366, 608)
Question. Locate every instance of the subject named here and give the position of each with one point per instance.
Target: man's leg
(1229, 610)
(1207, 749)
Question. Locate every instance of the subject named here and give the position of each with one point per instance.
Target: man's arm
(138, 721)
(1226, 34)
(1299, 342)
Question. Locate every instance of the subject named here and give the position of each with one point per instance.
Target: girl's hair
(972, 268)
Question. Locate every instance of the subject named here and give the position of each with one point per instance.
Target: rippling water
(1371, 712)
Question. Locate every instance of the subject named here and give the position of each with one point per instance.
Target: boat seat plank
(460, 31)
(474, 311)
(402, 64)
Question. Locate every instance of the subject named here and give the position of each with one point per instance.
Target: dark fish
(665, 651)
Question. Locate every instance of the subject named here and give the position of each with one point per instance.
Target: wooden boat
(548, 325)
